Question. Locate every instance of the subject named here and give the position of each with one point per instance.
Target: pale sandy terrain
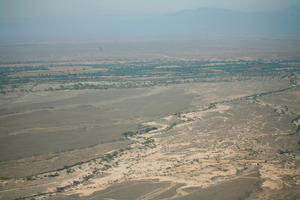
(233, 135)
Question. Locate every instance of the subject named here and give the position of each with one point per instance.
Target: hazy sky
(38, 9)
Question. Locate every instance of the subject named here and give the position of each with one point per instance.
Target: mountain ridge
(182, 23)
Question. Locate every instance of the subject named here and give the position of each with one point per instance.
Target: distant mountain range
(228, 21)
(184, 23)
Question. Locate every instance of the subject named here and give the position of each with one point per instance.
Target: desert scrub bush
(69, 171)
(53, 175)
(129, 134)
(149, 141)
(29, 178)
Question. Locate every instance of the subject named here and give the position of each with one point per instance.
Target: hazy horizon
(34, 9)
(191, 22)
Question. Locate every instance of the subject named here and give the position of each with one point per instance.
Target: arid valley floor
(151, 128)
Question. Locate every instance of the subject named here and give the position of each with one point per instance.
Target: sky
(43, 9)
